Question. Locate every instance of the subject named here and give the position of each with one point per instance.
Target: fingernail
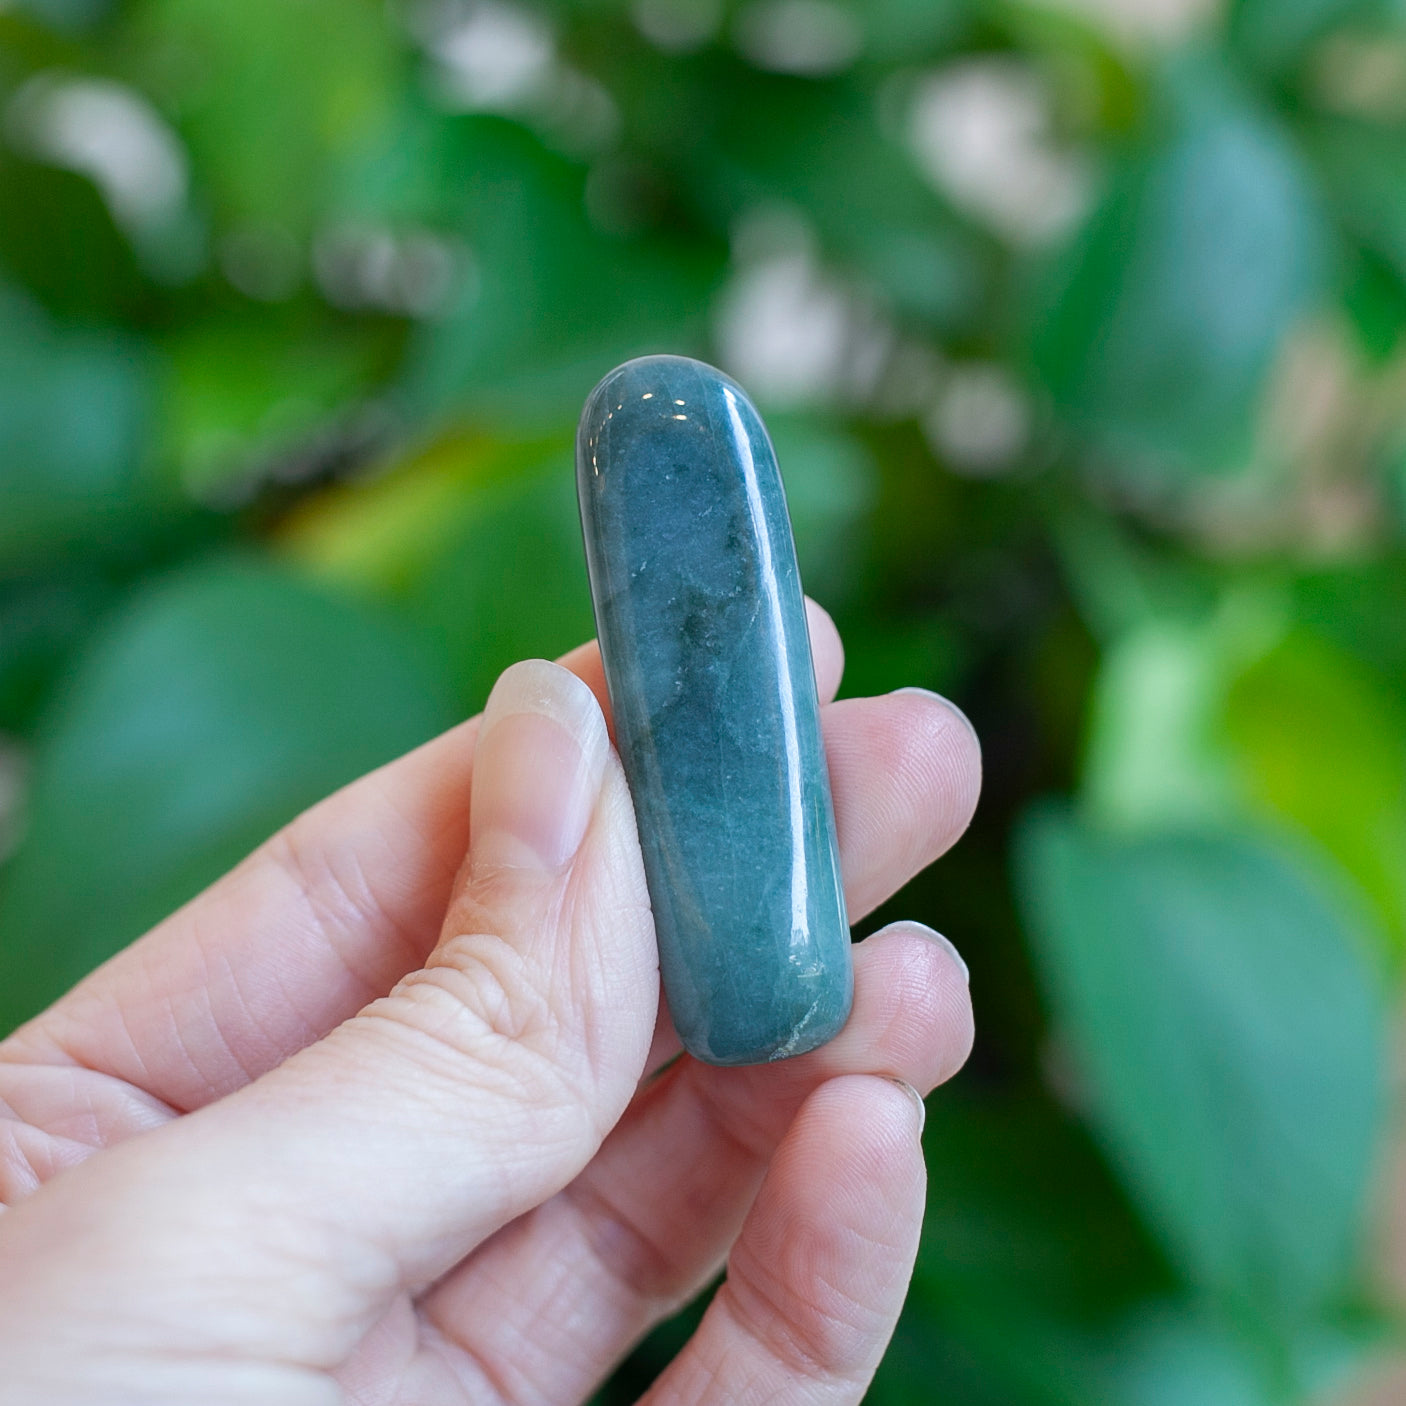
(917, 1099)
(947, 703)
(540, 756)
(932, 935)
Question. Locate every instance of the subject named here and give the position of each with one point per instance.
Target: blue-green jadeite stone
(703, 632)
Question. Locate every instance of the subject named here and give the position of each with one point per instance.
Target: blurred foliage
(1080, 327)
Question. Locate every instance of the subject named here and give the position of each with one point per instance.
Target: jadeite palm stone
(703, 632)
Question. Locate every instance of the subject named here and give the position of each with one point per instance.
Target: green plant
(1080, 331)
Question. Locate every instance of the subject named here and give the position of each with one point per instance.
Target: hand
(371, 1121)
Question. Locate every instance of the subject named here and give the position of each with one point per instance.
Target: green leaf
(1321, 745)
(821, 152)
(1156, 753)
(900, 30)
(75, 409)
(556, 303)
(1276, 34)
(1218, 995)
(216, 706)
(382, 532)
(1167, 1357)
(1363, 169)
(1020, 1279)
(272, 96)
(1374, 298)
(1152, 755)
(1065, 1243)
(830, 490)
(512, 582)
(58, 239)
(1168, 311)
(41, 619)
(1359, 607)
(1174, 1355)
(68, 15)
(479, 540)
(246, 392)
(998, 1355)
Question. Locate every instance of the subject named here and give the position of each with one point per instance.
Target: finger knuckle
(477, 995)
(478, 1015)
(807, 1320)
(921, 1012)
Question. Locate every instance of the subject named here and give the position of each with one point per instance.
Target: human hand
(371, 1121)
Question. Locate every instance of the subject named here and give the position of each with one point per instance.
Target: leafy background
(1080, 328)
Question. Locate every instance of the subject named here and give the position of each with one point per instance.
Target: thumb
(486, 1080)
(483, 1083)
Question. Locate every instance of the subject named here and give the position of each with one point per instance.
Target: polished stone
(703, 631)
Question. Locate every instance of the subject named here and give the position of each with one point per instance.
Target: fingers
(551, 1303)
(930, 759)
(818, 1277)
(826, 649)
(320, 920)
(379, 1156)
(486, 1079)
(330, 912)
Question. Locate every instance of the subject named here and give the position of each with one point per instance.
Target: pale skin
(388, 1114)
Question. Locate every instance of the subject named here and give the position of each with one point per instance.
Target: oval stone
(703, 634)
